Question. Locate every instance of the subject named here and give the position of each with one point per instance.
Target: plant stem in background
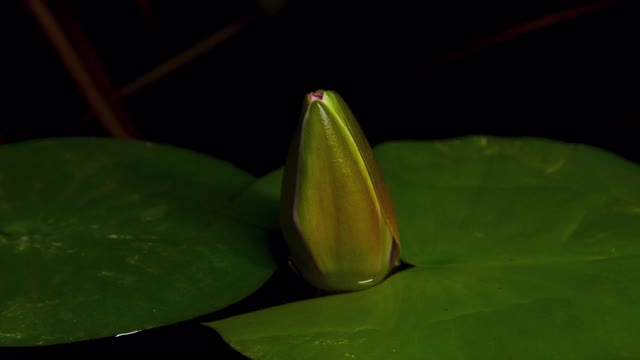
(530, 26)
(113, 119)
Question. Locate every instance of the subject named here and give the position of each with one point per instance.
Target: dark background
(563, 69)
(560, 69)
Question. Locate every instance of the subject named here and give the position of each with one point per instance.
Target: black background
(575, 80)
(408, 70)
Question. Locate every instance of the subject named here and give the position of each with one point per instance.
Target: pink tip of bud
(316, 96)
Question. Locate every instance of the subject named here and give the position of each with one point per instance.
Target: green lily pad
(100, 237)
(491, 199)
(259, 203)
(523, 248)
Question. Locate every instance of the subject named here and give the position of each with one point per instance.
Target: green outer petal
(331, 174)
(100, 237)
(382, 193)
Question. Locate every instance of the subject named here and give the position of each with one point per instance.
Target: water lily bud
(336, 213)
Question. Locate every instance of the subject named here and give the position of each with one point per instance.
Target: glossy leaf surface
(100, 237)
(523, 248)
